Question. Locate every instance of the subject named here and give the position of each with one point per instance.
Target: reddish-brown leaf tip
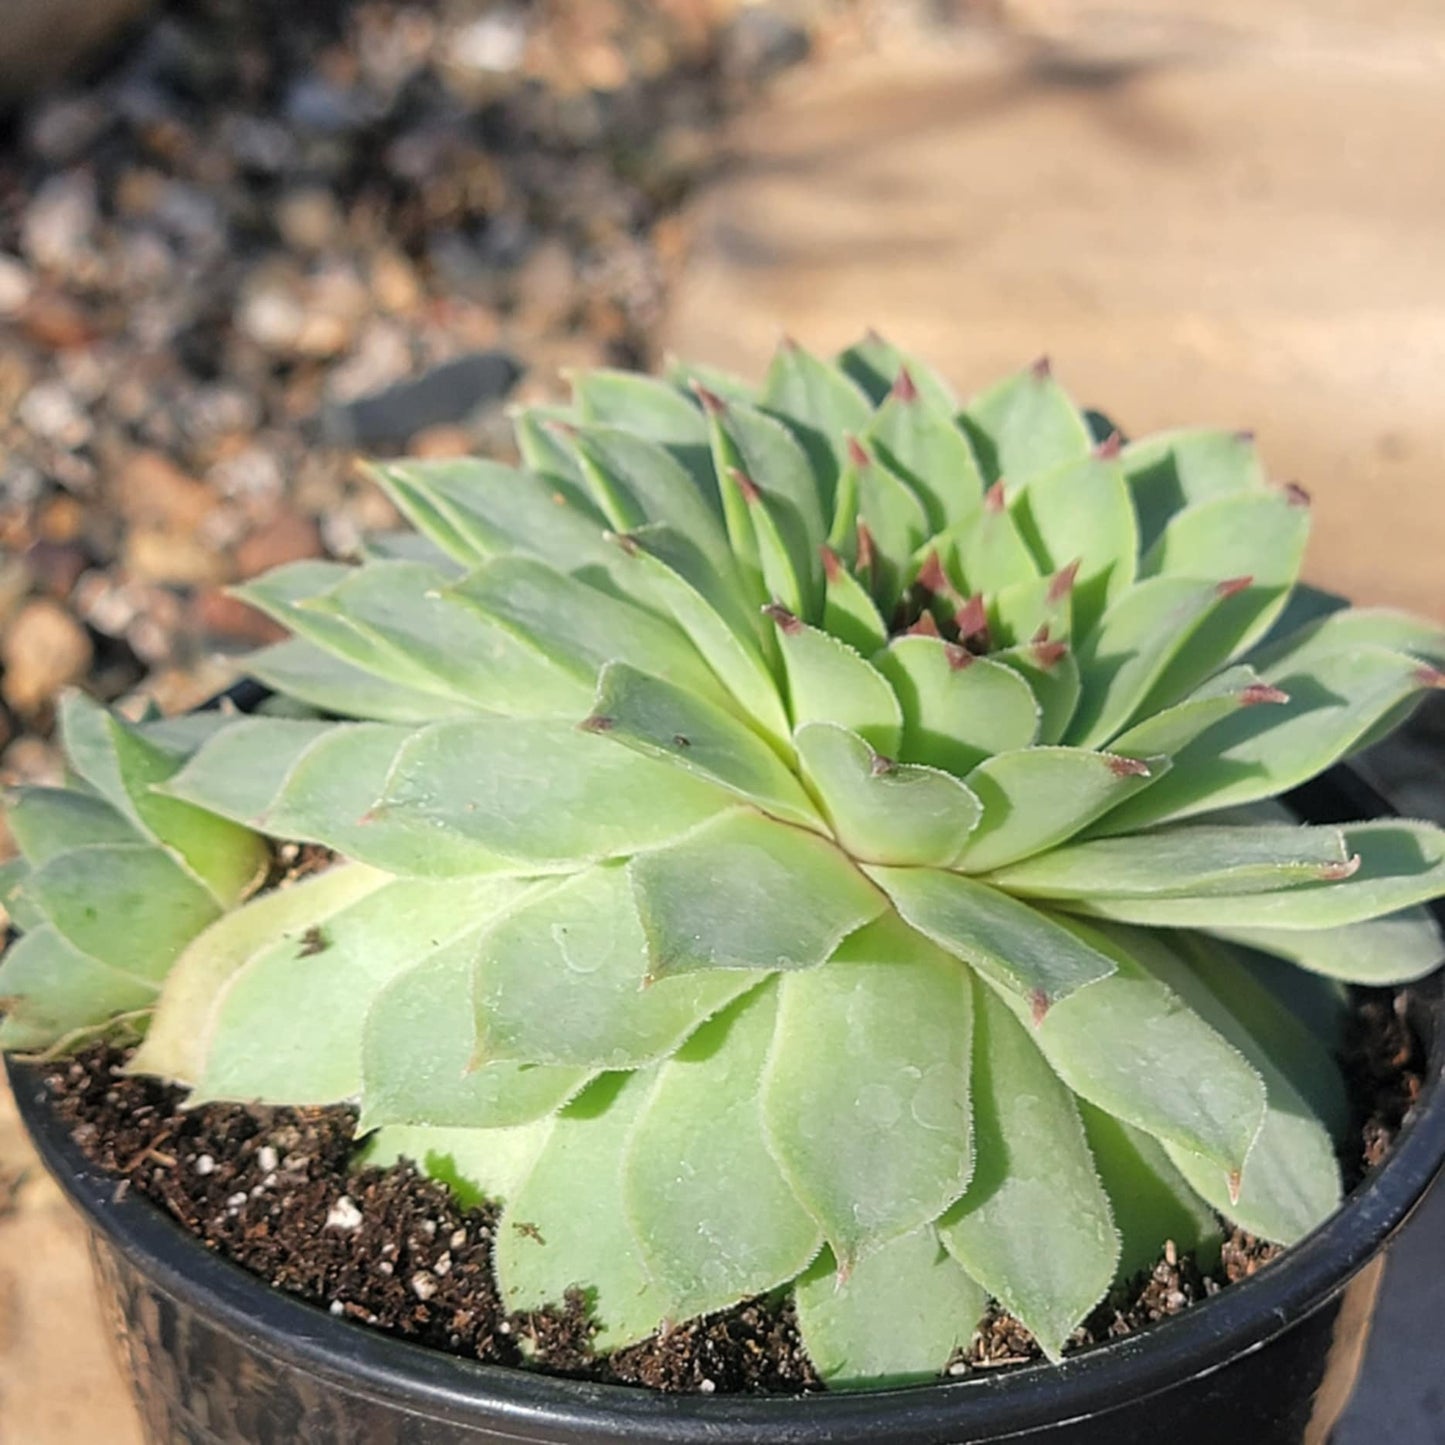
(712, 403)
(559, 426)
(996, 498)
(958, 657)
(1338, 872)
(746, 486)
(788, 343)
(882, 767)
(832, 562)
(1244, 436)
(624, 540)
(1047, 654)
(1110, 447)
(972, 617)
(1041, 368)
(1123, 767)
(867, 552)
(1428, 676)
(926, 626)
(786, 621)
(858, 454)
(598, 723)
(1261, 692)
(903, 388)
(1063, 582)
(931, 576)
(1295, 494)
(1039, 1004)
(1233, 1182)
(1233, 585)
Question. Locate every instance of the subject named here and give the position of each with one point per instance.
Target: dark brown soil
(273, 1189)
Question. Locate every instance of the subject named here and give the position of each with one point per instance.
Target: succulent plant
(812, 838)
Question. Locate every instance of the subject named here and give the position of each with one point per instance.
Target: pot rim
(529, 1406)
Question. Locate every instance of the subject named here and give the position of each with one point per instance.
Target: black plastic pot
(218, 1358)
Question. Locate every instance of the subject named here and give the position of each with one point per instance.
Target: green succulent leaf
(820, 403)
(882, 811)
(988, 549)
(1036, 798)
(477, 1165)
(917, 439)
(715, 1217)
(895, 1320)
(1398, 948)
(419, 1063)
(1174, 728)
(849, 613)
(1174, 470)
(1019, 949)
(1345, 630)
(727, 897)
(1151, 1201)
(567, 1226)
(957, 709)
(1052, 673)
(45, 822)
(874, 364)
(1034, 1227)
(1025, 426)
(1197, 862)
(868, 1079)
(876, 504)
(660, 721)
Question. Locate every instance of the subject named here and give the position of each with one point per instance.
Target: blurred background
(242, 241)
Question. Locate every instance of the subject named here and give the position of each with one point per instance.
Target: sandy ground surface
(1228, 215)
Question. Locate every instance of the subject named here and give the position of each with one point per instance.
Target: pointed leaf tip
(1244, 436)
(832, 563)
(1048, 654)
(1041, 368)
(958, 657)
(784, 619)
(597, 723)
(746, 486)
(924, 627)
(972, 617)
(931, 576)
(711, 402)
(882, 766)
(858, 453)
(1296, 494)
(1261, 692)
(1063, 581)
(1430, 676)
(996, 498)
(867, 550)
(1110, 447)
(1039, 1005)
(1338, 872)
(904, 388)
(1233, 1181)
(1233, 585)
(1123, 767)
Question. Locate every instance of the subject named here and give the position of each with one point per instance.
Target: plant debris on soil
(276, 1191)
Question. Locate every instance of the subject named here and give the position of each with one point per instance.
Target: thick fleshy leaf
(722, 634)
(1176, 727)
(480, 781)
(477, 1165)
(687, 375)
(1037, 798)
(896, 1319)
(1122, 661)
(868, 1081)
(1348, 628)
(660, 721)
(567, 979)
(288, 1025)
(50, 989)
(310, 673)
(819, 403)
(44, 822)
(1401, 864)
(828, 682)
(1398, 948)
(1052, 673)
(125, 767)
(419, 1064)
(957, 708)
(417, 502)
(1173, 470)
(727, 897)
(715, 1217)
(1025, 426)
(1039, 609)
(403, 546)
(1081, 513)
(1291, 1179)
(849, 613)
(918, 440)
(1017, 948)
(566, 1227)
(176, 1042)
(1195, 862)
(414, 611)
(891, 516)
(1129, 1045)
(882, 811)
(1034, 1227)
(874, 364)
(1152, 1203)
(541, 436)
(1335, 700)
(130, 904)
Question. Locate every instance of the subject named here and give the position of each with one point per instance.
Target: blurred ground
(267, 235)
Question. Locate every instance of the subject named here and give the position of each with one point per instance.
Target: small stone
(440, 442)
(443, 1266)
(216, 614)
(266, 1159)
(151, 490)
(394, 283)
(706, 1386)
(44, 649)
(546, 288)
(176, 558)
(61, 129)
(288, 537)
(59, 223)
(271, 312)
(344, 1214)
(424, 1285)
(336, 1307)
(205, 1164)
(16, 286)
(495, 44)
(51, 411)
(237, 1201)
(309, 219)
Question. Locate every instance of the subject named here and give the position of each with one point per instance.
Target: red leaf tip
(1232, 585)
(1428, 676)
(1063, 582)
(786, 621)
(1110, 447)
(926, 626)
(1123, 767)
(903, 388)
(1295, 494)
(598, 723)
(745, 485)
(857, 453)
(1261, 692)
(1039, 1004)
(712, 403)
(559, 427)
(931, 576)
(996, 498)
(1041, 368)
(881, 766)
(1233, 1182)
(958, 657)
(832, 563)
(1049, 654)
(867, 552)
(972, 617)
(1338, 872)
